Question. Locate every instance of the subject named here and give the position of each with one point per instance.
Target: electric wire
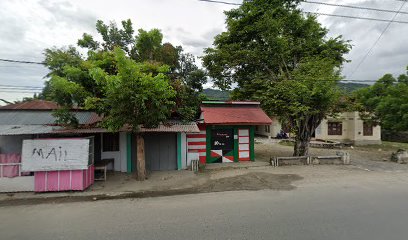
(376, 41)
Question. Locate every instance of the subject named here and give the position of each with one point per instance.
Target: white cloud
(29, 26)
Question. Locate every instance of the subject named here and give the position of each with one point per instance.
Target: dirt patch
(251, 181)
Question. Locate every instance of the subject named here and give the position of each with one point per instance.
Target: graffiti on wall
(55, 154)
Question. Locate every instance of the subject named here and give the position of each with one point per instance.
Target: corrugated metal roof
(12, 117)
(245, 115)
(172, 126)
(26, 129)
(43, 129)
(32, 105)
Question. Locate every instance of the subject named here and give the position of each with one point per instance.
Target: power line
(361, 18)
(18, 61)
(354, 7)
(221, 2)
(20, 86)
(378, 39)
(327, 14)
(7, 91)
(15, 66)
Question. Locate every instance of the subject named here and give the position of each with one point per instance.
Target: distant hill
(214, 94)
(351, 87)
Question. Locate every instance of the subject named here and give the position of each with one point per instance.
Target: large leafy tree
(274, 53)
(385, 102)
(132, 96)
(71, 83)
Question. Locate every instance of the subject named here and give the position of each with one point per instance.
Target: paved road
(375, 210)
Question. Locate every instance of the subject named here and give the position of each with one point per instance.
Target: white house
(347, 127)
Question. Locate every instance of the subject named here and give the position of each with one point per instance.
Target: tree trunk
(305, 126)
(301, 147)
(141, 163)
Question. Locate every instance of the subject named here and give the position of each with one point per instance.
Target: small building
(270, 131)
(165, 146)
(227, 132)
(347, 127)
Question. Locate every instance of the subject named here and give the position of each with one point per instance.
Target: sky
(30, 26)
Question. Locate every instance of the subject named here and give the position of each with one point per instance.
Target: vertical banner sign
(55, 154)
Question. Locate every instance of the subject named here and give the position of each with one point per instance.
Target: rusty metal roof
(32, 105)
(235, 115)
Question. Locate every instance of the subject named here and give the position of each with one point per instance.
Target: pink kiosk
(59, 164)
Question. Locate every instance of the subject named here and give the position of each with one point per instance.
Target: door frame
(235, 128)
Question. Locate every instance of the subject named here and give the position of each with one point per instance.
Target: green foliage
(148, 44)
(275, 53)
(67, 93)
(385, 102)
(349, 88)
(304, 103)
(57, 59)
(133, 96)
(74, 78)
(265, 41)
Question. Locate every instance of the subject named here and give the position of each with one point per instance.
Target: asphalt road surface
(374, 210)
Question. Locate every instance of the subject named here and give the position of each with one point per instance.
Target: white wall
(120, 162)
(352, 130)
(275, 128)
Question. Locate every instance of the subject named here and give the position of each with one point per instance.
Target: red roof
(235, 115)
(32, 105)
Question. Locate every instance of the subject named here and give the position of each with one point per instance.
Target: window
(335, 128)
(110, 142)
(267, 128)
(367, 129)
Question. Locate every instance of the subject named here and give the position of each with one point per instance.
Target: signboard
(222, 139)
(55, 154)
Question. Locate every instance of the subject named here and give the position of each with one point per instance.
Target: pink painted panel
(52, 181)
(9, 171)
(77, 180)
(85, 178)
(65, 181)
(39, 182)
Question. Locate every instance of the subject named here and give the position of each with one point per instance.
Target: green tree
(305, 102)
(385, 102)
(270, 51)
(70, 82)
(133, 96)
